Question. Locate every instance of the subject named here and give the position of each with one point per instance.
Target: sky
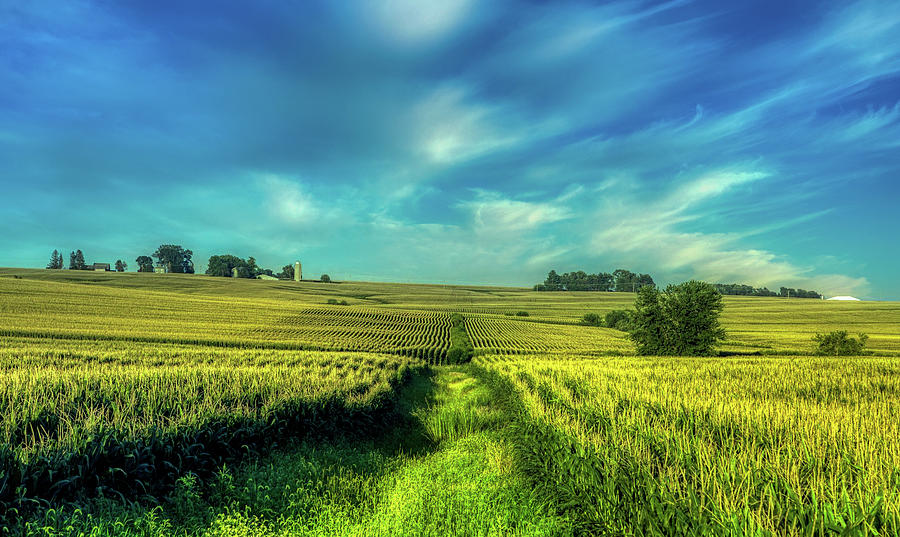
(459, 141)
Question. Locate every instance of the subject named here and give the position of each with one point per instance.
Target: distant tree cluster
(620, 280)
(225, 265)
(748, 290)
(798, 293)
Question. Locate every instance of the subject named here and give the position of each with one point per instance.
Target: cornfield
(688, 446)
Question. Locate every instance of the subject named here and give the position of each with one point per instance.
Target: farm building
(161, 268)
(844, 298)
(266, 277)
(100, 267)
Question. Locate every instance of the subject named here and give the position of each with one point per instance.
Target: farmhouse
(100, 267)
(844, 298)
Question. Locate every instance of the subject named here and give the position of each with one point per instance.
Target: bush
(592, 319)
(683, 320)
(521, 314)
(839, 343)
(337, 302)
(324, 278)
(618, 319)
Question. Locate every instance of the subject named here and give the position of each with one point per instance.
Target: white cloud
(453, 130)
(288, 200)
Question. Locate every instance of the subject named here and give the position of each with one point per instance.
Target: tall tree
(121, 266)
(56, 260)
(72, 263)
(287, 272)
(144, 263)
(176, 258)
(79, 260)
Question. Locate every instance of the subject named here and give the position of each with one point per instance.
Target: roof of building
(844, 297)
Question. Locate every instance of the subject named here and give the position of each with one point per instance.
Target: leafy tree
(648, 324)
(56, 260)
(838, 343)
(683, 320)
(252, 269)
(144, 263)
(223, 265)
(176, 258)
(121, 266)
(617, 319)
(325, 278)
(287, 272)
(592, 319)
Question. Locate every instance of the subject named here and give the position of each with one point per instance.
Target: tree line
(740, 289)
(77, 262)
(173, 257)
(619, 280)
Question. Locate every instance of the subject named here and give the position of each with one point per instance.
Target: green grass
(423, 479)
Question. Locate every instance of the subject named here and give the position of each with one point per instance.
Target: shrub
(617, 319)
(324, 278)
(683, 320)
(839, 343)
(592, 319)
(337, 302)
(521, 314)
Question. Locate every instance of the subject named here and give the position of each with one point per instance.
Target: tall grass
(72, 426)
(686, 446)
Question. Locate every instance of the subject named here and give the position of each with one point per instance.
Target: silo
(298, 272)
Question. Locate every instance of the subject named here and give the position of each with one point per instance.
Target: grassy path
(447, 472)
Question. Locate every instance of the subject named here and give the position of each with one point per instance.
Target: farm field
(738, 446)
(144, 404)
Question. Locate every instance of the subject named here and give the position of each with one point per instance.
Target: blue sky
(460, 141)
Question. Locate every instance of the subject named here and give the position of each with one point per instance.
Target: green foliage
(683, 320)
(176, 258)
(336, 302)
(521, 313)
(325, 278)
(592, 319)
(618, 319)
(287, 272)
(839, 343)
(144, 263)
(121, 266)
